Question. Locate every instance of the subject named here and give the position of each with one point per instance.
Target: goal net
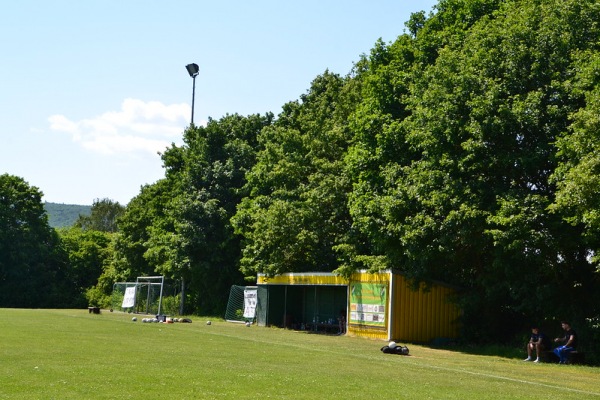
(241, 306)
(147, 295)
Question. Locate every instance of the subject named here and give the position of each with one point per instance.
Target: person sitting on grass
(570, 343)
(538, 342)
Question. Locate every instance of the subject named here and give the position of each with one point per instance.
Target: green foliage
(90, 253)
(179, 227)
(96, 297)
(103, 216)
(170, 305)
(131, 254)
(65, 215)
(147, 240)
(213, 180)
(32, 267)
(296, 208)
(579, 152)
(453, 151)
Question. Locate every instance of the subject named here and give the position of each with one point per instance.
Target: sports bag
(401, 350)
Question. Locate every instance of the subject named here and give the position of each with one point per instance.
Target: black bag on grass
(393, 348)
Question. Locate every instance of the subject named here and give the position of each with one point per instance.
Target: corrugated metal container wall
(421, 316)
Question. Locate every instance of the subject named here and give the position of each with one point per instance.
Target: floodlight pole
(193, 96)
(193, 70)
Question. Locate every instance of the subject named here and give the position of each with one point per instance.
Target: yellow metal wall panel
(315, 278)
(381, 277)
(368, 332)
(420, 316)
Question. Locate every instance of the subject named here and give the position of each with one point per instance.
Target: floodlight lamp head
(192, 69)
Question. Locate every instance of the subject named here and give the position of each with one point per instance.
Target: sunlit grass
(68, 354)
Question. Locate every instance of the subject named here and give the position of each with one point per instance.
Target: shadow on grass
(496, 350)
(502, 350)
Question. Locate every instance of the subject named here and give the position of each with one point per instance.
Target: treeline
(466, 151)
(64, 215)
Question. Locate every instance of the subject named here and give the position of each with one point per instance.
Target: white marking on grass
(424, 366)
(506, 378)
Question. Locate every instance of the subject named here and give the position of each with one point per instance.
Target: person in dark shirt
(538, 342)
(570, 343)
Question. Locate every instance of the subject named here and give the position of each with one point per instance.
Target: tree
(103, 216)
(377, 148)
(31, 265)
(90, 253)
(455, 186)
(215, 159)
(296, 210)
(180, 226)
(578, 173)
(145, 242)
(140, 244)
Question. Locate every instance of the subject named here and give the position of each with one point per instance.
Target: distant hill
(65, 215)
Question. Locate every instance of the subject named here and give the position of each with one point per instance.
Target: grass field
(71, 354)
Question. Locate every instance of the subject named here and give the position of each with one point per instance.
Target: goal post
(145, 295)
(241, 306)
(151, 281)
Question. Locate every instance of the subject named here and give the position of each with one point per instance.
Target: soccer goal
(241, 306)
(145, 295)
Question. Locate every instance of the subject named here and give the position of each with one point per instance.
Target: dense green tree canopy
(103, 217)
(89, 254)
(456, 184)
(216, 160)
(578, 173)
(295, 211)
(31, 265)
(146, 240)
(180, 226)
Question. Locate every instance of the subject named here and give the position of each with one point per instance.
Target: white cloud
(61, 123)
(137, 127)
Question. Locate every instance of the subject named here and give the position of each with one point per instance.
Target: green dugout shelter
(376, 305)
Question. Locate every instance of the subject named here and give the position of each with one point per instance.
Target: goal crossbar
(148, 281)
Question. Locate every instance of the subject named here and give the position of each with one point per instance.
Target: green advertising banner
(367, 303)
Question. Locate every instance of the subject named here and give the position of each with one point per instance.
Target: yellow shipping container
(378, 305)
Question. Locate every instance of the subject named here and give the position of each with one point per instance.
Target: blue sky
(92, 90)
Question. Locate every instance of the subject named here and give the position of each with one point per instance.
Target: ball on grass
(208, 322)
(248, 323)
(134, 319)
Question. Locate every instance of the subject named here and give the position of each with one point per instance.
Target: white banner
(249, 303)
(129, 299)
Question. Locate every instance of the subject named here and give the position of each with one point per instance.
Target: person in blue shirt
(538, 342)
(570, 343)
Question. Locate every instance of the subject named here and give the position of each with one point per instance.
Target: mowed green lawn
(71, 354)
